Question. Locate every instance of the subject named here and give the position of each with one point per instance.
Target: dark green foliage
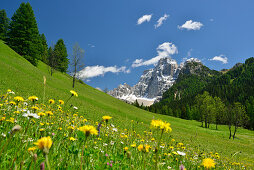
(23, 35)
(61, 55)
(44, 49)
(4, 23)
(236, 85)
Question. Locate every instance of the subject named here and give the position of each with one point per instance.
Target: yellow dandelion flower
(72, 139)
(33, 98)
(31, 149)
(51, 101)
(173, 140)
(125, 149)
(152, 139)
(49, 113)
(106, 118)
(140, 147)
(74, 93)
(41, 123)
(61, 101)
(42, 130)
(35, 107)
(88, 130)
(12, 103)
(19, 99)
(133, 145)
(44, 144)
(41, 114)
(208, 163)
(1, 105)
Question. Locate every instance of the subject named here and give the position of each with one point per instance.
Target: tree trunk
(229, 126)
(73, 82)
(205, 122)
(234, 132)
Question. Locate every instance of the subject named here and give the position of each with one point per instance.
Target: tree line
(213, 99)
(21, 33)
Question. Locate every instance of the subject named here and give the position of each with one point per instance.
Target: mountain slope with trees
(232, 87)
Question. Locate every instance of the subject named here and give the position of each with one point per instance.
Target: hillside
(24, 79)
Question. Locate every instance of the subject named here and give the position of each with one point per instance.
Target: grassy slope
(19, 75)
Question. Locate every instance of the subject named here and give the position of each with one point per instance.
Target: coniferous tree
(23, 35)
(4, 23)
(52, 61)
(44, 49)
(61, 55)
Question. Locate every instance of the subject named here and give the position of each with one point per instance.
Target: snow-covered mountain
(151, 85)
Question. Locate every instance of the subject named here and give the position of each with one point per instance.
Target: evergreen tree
(61, 55)
(44, 49)
(23, 35)
(52, 61)
(4, 23)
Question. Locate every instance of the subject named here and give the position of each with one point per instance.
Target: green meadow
(26, 80)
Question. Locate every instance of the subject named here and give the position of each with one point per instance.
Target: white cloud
(160, 21)
(221, 58)
(164, 50)
(190, 25)
(98, 88)
(144, 18)
(95, 71)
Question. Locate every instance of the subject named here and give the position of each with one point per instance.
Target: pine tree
(61, 55)
(4, 23)
(44, 49)
(23, 35)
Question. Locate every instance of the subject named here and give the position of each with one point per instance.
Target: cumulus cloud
(161, 20)
(164, 50)
(191, 25)
(95, 71)
(144, 18)
(221, 58)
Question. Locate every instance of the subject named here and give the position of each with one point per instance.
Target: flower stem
(47, 161)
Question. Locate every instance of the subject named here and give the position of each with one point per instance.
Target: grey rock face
(152, 84)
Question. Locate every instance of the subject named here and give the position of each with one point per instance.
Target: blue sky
(113, 39)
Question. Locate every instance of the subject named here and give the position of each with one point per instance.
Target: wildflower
(44, 144)
(1, 105)
(49, 113)
(19, 99)
(72, 139)
(106, 118)
(31, 149)
(51, 101)
(42, 129)
(31, 115)
(208, 163)
(125, 149)
(173, 140)
(74, 93)
(41, 114)
(140, 147)
(12, 103)
(16, 128)
(61, 101)
(181, 153)
(9, 91)
(33, 98)
(35, 108)
(152, 139)
(75, 108)
(164, 126)
(133, 145)
(88, 130)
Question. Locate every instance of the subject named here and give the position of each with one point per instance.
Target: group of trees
(219, 98)
(22, 35)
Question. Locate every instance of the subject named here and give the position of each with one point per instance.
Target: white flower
(11, 92)
(75, 108)
(31, 115)
(115, 129)
(104, 144)
(112, 143)
(4, 135)
(112, 125)
(25, 103)
(162, 146)
(181, 153)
